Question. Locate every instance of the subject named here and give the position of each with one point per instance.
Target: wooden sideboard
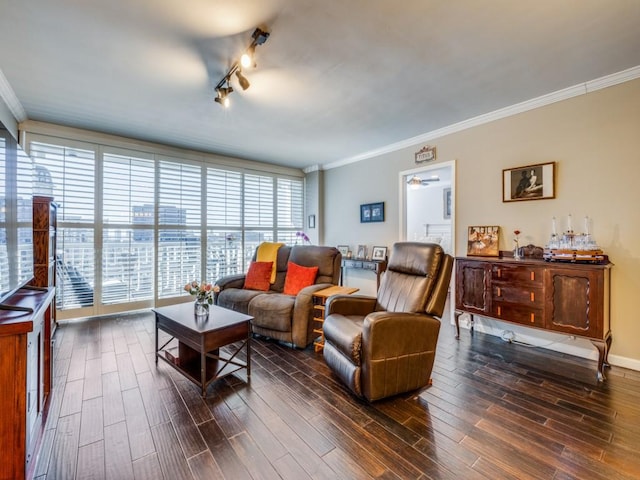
(25, 377)
(376, 266)
(568, 298)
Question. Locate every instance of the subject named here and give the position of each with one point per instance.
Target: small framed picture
(446, 202)
(365, 213)
(361, 252)
(533, 182)
(379, 253)
(343, 249)
(377, 212)
(483, 241)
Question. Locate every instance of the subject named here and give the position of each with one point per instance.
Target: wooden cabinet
(561, 297)
(45, 223)
(25, 377)
(319, 300)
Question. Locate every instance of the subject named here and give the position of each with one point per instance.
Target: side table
(319, 300)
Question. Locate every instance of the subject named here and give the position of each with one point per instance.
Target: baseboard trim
(579, 347)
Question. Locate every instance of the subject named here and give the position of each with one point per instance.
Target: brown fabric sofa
(386, 345)
(275, 315)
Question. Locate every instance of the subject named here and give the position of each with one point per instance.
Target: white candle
(569, 228)
(553, 225)
(586, 225)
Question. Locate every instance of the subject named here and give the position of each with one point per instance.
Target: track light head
(246, 60)
(223, 95)
(242, 80)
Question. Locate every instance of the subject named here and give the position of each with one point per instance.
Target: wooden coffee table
(197, 355)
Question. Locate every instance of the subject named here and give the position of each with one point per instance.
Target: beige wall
(595, 140)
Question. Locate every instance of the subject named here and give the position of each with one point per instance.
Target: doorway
(427, 205)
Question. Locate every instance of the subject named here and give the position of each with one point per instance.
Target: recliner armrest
(350, 305)
(231, 281)
(390, 334)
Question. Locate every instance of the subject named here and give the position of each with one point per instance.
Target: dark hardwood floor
(495, 411)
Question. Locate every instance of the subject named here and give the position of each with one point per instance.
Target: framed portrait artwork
(379, 253)
(531, 182)
(483, 241)
(343, 249)
(361, 252)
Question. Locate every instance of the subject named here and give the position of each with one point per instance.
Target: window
(155, 223)
(128, 206)
(179, 226)
(68, 174)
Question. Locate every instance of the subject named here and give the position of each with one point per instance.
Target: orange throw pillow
(258, 276)
(298, 277)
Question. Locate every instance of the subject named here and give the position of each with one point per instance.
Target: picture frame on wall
(379, 253)
(446, 203)
(483, 241)
(377, 212)
(531, 182)
(365, 213)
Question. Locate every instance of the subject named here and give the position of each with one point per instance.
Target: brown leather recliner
(385, 345)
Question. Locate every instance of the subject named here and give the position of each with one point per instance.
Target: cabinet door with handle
(473, 286)
(577, 301)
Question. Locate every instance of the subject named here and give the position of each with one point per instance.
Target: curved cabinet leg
(456, 315)
(603, 354)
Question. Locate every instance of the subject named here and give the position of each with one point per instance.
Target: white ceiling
(335, 80)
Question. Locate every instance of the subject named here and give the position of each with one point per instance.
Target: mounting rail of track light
(224, 88)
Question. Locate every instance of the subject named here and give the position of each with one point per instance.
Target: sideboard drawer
(522, 274)
(524, 315)
(352, 264)
(505, 292)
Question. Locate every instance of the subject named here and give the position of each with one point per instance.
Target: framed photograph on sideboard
(483, 241)
(379, 253)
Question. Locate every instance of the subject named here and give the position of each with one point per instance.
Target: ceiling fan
(417, 182)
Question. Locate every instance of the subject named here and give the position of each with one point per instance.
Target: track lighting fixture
(246, 60)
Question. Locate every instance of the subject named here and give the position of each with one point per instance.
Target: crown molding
(553, 97)
(11, 100)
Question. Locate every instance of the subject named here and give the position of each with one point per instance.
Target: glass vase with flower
(204, 297)
(516, 245)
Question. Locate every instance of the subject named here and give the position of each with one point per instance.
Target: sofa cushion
(268, 252)
(273, 311)
(237, 298)
(327, 259)
(298, 277)
(258, 276)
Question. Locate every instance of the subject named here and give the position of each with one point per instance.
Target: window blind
(68, 175)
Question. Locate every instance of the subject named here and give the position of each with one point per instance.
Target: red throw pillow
(298, 277)
(258, 276)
